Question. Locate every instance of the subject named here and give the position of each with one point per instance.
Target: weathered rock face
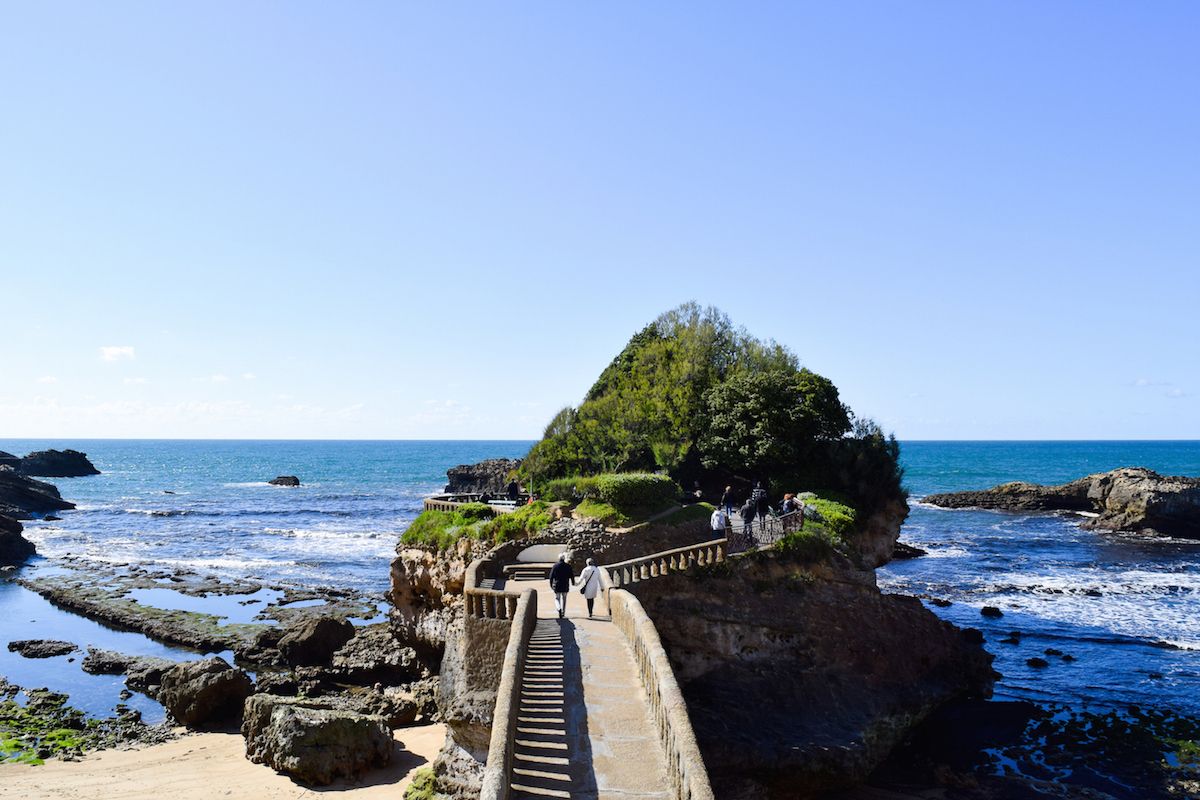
(426, 592)
(314, 640)
(374, 655)
(14, 548)
(486, 476)
(201, 692)
(314, 744)
(802, 679)
(22, 497)
(53, 464)
(877, 536)
(284, 480)
(41, 648)
(1127, 499)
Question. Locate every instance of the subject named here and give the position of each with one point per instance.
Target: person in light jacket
(589, 580)
(561, 576)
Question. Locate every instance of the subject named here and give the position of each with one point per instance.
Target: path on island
(584, 728)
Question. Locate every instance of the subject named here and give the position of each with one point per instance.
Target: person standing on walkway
(727, 501)
(561, 576)
(589, 581)
(759, 501)
(718, 522)
(747, 512)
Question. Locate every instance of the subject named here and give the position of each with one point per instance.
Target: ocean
(1127, 608)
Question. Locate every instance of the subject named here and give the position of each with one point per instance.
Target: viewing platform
(452, 502)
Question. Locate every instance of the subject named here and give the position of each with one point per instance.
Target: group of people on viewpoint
(757, 505)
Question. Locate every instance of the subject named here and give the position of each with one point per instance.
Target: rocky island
(1128, 499)
(795, 673)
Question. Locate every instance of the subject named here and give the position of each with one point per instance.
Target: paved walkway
(584, 728)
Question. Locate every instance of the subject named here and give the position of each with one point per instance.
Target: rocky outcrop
(143, 673)
(374, 655)
(426, 592)
(284, 480)
(875, 538)
(313, 743)
(51, 464)
(801, 679)
(314, 640)
(22, 497)
(486, 476)
(41, 648)
(202, 692)
(14, 548)
(1126, 499)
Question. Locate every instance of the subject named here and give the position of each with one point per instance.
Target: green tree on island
(705, 401)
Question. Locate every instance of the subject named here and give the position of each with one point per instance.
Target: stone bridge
(587, 707)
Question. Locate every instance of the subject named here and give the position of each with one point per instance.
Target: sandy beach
(207, 766)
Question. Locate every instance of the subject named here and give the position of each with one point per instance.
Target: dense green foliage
(837, 518)
(598, 510)
(614, 497)
(442, 529)
(706, 402)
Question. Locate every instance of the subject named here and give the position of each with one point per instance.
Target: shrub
(636, 491)
(568, 489)
(423, 786)
(809, 545)
(601, 511)
(838, 517)
(526, 520)
(476, 511)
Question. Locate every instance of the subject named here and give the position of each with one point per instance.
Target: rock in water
(41, 648)
(199, 692)
(486, 476)
(22, 497)
(14, 548)
(57, 464)
(285, 480)
(1126, 499)
(313, 744)
(314, 640)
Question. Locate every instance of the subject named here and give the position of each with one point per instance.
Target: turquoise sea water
(1126, 607)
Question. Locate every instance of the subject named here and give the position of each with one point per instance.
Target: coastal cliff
(801, 678)
(1127, 499)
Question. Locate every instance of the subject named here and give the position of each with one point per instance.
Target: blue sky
(378, 220)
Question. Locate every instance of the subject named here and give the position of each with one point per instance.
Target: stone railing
(508, 699)
(624, 573)
(451, 502)
(486, 603)
(685, 766)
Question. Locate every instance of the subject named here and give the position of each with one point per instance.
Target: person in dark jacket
(561, 576)
(758, 499)
(727, 501)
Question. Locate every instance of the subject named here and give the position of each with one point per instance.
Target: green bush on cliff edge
(443, 529)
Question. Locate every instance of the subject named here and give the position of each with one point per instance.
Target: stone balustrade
(685, 765)
(508, 699)
(452, 502)
(624, 573)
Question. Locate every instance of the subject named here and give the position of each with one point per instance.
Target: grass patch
(604, 512)
(443, 529)
(688, 513)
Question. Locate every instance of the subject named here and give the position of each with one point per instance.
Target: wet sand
(207, 766)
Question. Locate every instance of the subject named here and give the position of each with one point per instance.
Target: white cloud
(135, 381)
(248, 376)
(219, 378)
(47, 379)
(117, 353)
(1176, 392)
